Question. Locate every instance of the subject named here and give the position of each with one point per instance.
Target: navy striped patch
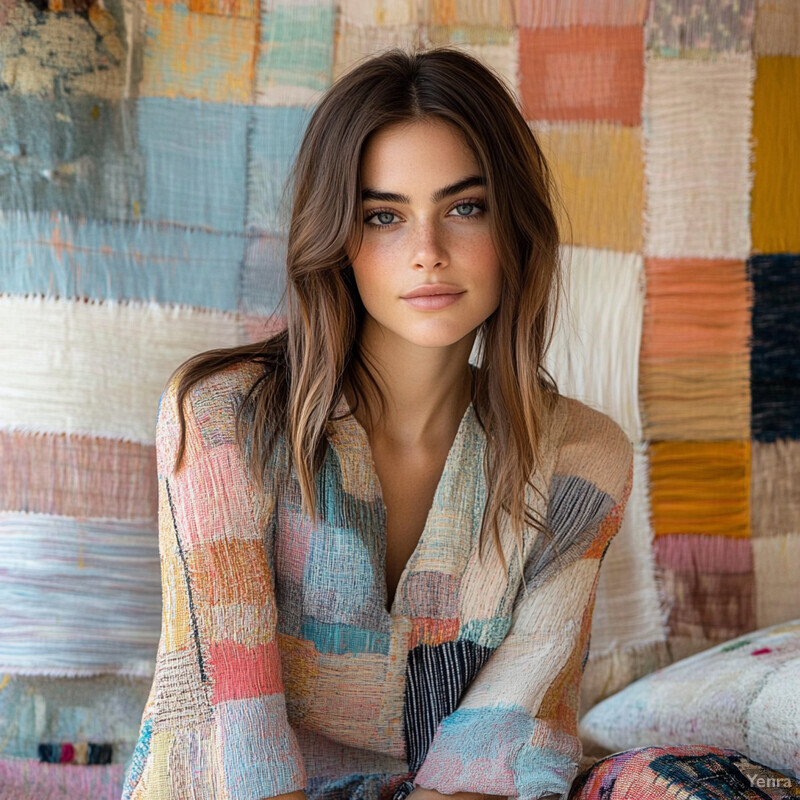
(575, 508)
(436, 678)
(775, 347)
(404, 790)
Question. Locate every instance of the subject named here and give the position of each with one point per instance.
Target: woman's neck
(419, 414)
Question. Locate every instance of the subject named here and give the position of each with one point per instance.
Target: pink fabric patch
(77, 476)
(25, 779)
(293, 536)
(205, 513)
(684, 552)
(240, 672)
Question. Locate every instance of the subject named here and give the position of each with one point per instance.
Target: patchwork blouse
(279, 667)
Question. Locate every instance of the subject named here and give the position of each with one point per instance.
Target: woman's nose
(429, 248)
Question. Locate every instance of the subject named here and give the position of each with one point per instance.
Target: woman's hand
(431, 794)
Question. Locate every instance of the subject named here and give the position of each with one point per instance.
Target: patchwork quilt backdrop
(144, 146)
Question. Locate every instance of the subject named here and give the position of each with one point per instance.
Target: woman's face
(425, 223)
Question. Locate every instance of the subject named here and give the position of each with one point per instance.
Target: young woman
(379, 560)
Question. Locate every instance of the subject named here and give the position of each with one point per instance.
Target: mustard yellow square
(775, 208)
(599, 173)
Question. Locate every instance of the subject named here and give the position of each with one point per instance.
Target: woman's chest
(393, 543)
(409, 482)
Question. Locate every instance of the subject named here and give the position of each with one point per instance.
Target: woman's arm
(217, 714)
(431, 794)
(514, 731)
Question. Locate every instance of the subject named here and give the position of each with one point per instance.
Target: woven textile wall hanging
(144, 148)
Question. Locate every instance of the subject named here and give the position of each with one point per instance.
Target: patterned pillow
(688, 772)
(742, 695)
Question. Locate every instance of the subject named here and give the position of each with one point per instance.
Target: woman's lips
(432, 301)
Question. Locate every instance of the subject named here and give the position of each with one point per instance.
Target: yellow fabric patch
(599, 172)
(776, 186)
(158, 778)
(175, 607)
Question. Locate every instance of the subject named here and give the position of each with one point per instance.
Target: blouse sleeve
(514, 731)
(215, 724)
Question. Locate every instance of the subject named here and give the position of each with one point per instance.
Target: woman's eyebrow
(440, 194)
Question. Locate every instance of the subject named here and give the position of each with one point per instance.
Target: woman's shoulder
(209, 409)
(225, 387)
(217, 392)
(593, 447)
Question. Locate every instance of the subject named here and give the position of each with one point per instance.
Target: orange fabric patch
(699, 307)
(247, 9)
(607, 528)
(700, 488)
(228, 8)
(230, 571)
(204, 56)
(694, 368)
(432, 631)
(589, 73)
(300, 664)
(561, 702)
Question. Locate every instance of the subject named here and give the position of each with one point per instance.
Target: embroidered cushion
(742, 694)
(689, 772)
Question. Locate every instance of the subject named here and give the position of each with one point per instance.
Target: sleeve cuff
(500, 751)
(260, 754)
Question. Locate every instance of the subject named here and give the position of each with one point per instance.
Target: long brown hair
(304, 364)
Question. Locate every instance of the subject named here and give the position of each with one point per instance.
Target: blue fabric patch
(339, 580)
(138, 758)
(73, 154)
(264, 275)
(296, 45)
(485, 632)
(340, 639)
(195, 156)
(273, 139)
(256, 748)
(68, 257)
(539, 770)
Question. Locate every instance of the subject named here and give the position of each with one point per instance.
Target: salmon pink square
(582, 73)
(240, 672)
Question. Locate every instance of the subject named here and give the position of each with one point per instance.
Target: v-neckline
(362, 433)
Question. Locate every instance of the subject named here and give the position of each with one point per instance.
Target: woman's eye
(386, 219)
(383, 218)
(467, 209)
